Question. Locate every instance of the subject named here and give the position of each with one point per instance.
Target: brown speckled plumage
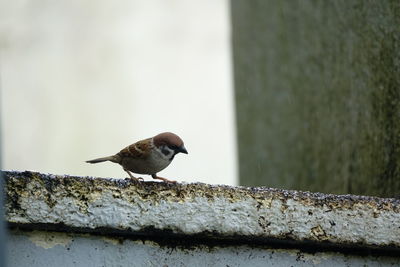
(148, 156)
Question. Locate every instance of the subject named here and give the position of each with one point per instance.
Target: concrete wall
(49, 249)
(318, 94)
(85, 221)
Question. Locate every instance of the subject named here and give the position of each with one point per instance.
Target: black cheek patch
(165, 151)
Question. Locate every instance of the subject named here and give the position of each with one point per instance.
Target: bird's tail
(110, 158)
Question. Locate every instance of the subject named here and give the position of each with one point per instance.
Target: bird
(148, 156)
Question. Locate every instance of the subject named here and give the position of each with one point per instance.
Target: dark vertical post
(317, 90)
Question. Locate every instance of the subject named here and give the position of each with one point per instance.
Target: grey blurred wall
(83, 79)
(317, 94)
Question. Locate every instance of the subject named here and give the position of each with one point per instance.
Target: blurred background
(308, 90)
(297, 94)
(317, 90)
(82, 79)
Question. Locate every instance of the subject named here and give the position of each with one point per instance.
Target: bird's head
(170, 144)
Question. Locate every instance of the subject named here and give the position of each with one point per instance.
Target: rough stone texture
(222, 212)
(318, 94)
(49, 249)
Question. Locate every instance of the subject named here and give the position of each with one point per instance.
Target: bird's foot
(163, 179)
(133, 178)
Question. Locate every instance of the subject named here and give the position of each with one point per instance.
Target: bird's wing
(140, 149)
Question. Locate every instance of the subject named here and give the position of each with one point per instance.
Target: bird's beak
(182, 149)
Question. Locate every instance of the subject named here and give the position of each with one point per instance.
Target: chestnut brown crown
(171, 140)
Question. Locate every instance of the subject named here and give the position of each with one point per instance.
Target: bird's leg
(163, 179)
(133, 177)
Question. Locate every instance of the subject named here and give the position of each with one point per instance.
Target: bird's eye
(173, 147)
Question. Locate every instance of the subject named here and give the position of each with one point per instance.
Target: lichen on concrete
(218, 211)
(48, 240)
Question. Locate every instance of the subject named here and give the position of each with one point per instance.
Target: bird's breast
(152, 164)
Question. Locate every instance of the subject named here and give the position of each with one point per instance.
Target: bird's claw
(134, 179)
(164, 179)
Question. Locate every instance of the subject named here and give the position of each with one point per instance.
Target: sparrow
(148, 156)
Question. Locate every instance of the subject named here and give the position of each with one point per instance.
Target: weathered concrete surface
(201, 210)
(318, 94)
(49, 249)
